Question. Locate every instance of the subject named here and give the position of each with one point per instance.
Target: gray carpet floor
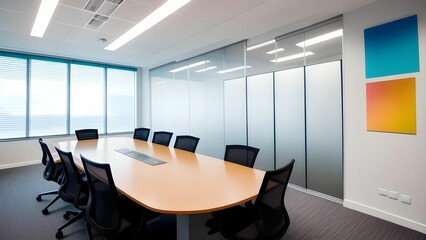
(311, 217)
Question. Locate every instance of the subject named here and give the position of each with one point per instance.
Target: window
(87, 97)
(121, 100)
(48, 98)
(13, 95)
(42, 96)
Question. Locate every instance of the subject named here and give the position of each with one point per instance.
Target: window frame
(69, 62)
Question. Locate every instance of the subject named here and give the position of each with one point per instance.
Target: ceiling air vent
(93, 5)
(103, 9)
(96, 22)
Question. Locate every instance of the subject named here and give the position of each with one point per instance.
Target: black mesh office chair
(268, 218)
(86, 134)
(187, 143)
(162, 138)
(141, 134)
(241, 154)
(107, 212)
(52, 172)
(73, 189)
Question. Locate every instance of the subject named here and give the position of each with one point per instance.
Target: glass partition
(260, 118)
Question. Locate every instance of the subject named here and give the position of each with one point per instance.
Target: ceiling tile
(22, 6)
(71, 16)
(115, 27)
(219, 12)
(73, 3)
(151, 3)
(172, 30)
(132, 11)
(86, 37)
(15, 22)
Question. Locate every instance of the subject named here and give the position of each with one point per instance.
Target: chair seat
(235, 220)
(133, 212)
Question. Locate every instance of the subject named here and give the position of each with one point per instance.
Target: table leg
(182, 222)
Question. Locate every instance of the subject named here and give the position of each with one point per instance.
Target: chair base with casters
(45, 210)
(77, 216)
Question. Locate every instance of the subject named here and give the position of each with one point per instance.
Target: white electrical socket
(393, 195)
(406, 199)
(383, 192)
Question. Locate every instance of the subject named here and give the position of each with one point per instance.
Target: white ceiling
(198, 27)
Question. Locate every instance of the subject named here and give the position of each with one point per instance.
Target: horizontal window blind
(44, 96)
(121, 100)
(48, 98)
(13, 97)
(87, 97)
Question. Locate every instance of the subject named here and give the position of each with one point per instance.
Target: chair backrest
(50, 172)
(187, 143)
(162, 138)
(141, 134)
(102, 212)
(86, 134)
(241, 154)
(273, 220)
(73, 184)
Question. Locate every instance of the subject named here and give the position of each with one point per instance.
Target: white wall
(375, 160)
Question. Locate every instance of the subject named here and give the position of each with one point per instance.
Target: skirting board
(20, 164)
(385, 216)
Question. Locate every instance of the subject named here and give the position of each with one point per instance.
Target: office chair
(52, 172)
(268, 218)
(86, 134)
(106, 211)
(187, 143)
(141, 134)
(241, 154)
(73, 189)
(162, 138)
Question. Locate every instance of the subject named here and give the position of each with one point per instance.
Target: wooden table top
(187, 184)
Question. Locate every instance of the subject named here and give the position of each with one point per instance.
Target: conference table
(185, 184)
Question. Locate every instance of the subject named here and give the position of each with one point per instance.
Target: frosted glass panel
(260, 103)
(169, 103)
(215, 141)
(197, 92)
(156, 98)
(179, 99)
(324, 128)
(235, 111)
(290, 121)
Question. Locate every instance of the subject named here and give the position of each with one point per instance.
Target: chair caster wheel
(66, 216)
(45, 211)
(38, 198)
(59, 235)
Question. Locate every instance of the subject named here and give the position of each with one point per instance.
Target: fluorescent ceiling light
(275, 51)
(261, 45)
(233, 69)
(45, 12)
(206, 69)
(322, 38)
(155, 17)
(189, 66)
(294, 56)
